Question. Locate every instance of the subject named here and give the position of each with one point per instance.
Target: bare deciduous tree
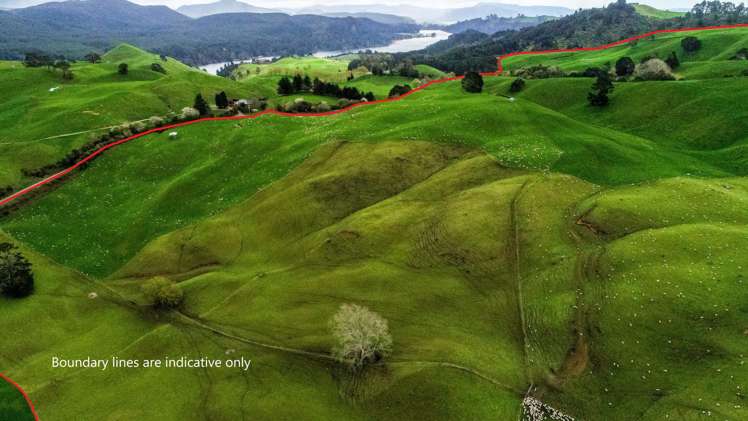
(362, 336)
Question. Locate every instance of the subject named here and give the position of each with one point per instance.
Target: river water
(426, 37)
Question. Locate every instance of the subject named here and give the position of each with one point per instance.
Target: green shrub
(163, 293)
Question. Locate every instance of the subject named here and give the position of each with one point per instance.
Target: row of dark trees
(299, 84)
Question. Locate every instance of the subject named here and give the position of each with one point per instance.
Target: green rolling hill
(514, 242)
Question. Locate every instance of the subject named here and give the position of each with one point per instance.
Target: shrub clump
(517, 85)
(163, 293)
(538, 72)
(654, 69)
(399, 90)
(189, 113)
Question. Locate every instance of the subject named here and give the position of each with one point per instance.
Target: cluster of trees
(34, 59)
(227, 70)
(299, 84)
(399, 90)
(380, 64)
(16, 276)
(300, 105)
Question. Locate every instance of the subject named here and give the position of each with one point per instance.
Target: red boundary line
(23, 392)
(500, 69)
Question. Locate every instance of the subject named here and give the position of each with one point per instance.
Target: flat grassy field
(518, 244)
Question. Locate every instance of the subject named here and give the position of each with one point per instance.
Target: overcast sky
(573, 4)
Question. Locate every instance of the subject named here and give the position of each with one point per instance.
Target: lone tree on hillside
(690, 44)
(163, 293)
(517, 85)
(222, 101)
(598, 97)
(122, 68)
(472, 82)
(16, 277)
(93, 57)
(362, 336)
(625, 66)
(672, 60)
(201, 105)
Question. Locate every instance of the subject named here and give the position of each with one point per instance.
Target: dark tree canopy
(201, 105)
(672, 60)
(222, 101)
(285, 86)
(16, 277)
(625, 66)
(598, 97)
(690, 44)
(122, 68)
(472, 82)
(517, 85)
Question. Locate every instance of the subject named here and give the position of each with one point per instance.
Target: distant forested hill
(74, 28)
(493, 23)
(583, 28)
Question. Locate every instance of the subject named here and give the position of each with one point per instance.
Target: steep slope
(494, 280)
(38, 107)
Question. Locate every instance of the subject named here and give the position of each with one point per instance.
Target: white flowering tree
(362, 336)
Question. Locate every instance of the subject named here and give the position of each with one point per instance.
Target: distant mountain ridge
(76, 27)
(441, 16)
(222, 6)
(492, 24)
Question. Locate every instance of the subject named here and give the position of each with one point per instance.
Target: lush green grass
(379, 85)
(711, 61)
(13, 406)
(166, 184)
(37, 104)
(597, 254)
(327, 69)
(652, 12)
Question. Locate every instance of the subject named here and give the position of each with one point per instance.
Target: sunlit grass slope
(37, 104)
(163, 184)
(713, 60)
(492, 278)
(651, 12)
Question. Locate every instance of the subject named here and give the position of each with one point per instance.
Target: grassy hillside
(518, 244)
(13, 406)
(401, 226)
(327, 69)
(37, 104)
(655, 13)
(713, 60)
